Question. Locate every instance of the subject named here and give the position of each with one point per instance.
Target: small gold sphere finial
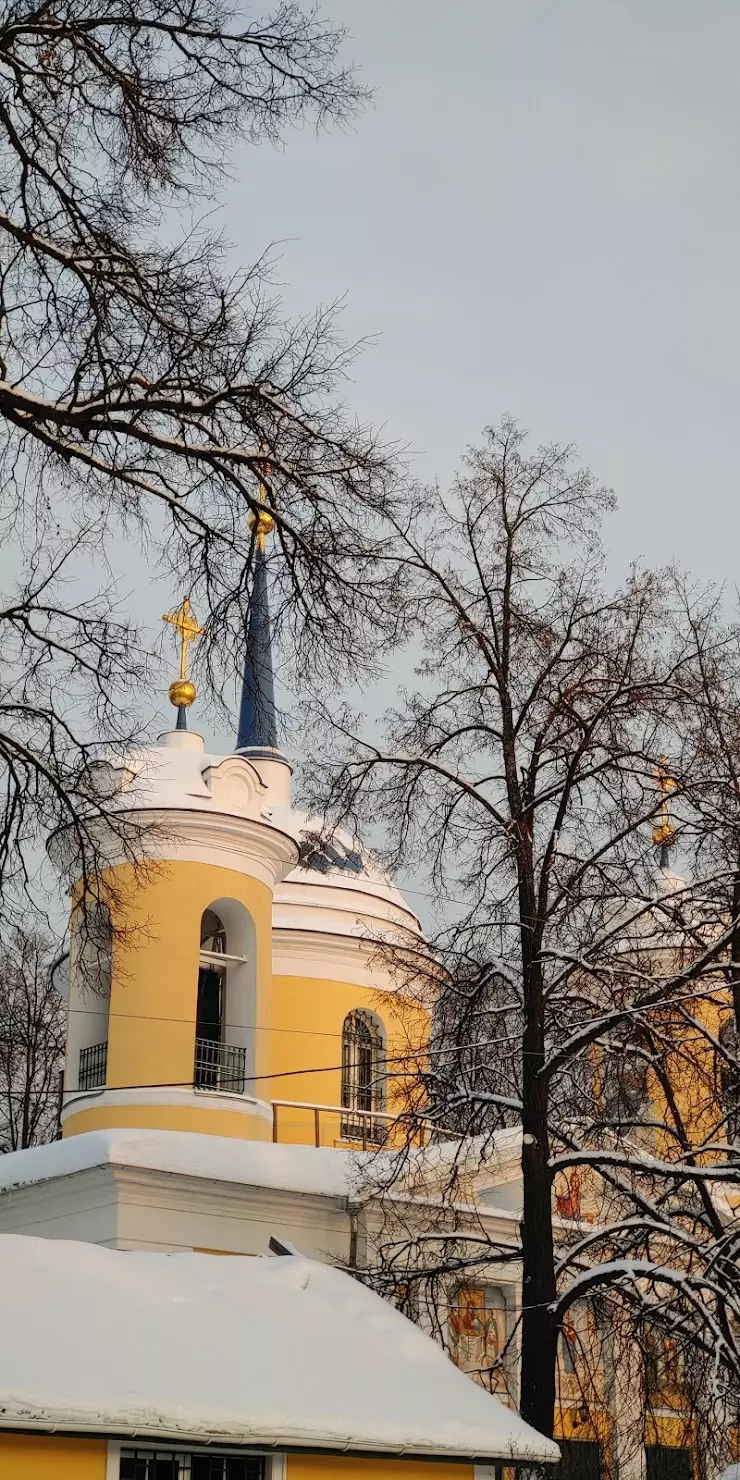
(182, 692)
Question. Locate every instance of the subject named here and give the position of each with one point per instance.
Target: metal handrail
(348, 1114)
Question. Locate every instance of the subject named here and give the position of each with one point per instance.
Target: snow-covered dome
(339, 888)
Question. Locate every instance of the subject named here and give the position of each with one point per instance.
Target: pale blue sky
(539, 213)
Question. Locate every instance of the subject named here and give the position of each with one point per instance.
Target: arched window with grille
(363, 1076)
(90, 972)
(225, 1008)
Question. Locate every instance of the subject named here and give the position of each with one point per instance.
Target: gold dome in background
(664, 832)
(182, 693)
(264, 523)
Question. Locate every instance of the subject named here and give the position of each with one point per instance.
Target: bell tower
(170, 969)
(235, 975)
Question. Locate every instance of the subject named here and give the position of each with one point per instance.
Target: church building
(235, 1052)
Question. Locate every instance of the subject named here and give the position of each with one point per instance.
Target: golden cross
(184, 622)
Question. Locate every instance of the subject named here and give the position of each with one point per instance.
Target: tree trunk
(539, 1326)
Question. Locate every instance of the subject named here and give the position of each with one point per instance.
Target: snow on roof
(269, 1352)
(325, 1171)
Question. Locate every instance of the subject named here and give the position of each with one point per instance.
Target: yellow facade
(52, 1457)
(307, 1018)
(154, 986)
(202, 1119)
(56, 1457)
(296, 1032)
(318, 1466)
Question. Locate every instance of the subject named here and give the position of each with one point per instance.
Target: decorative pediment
(107, 779)
(235, 786)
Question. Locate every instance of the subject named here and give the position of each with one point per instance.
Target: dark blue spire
(257, 713)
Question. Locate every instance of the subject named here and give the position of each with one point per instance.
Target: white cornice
(255, 848)
(191, 1099)
(179, 1191)
(362, 895)
(326, 955)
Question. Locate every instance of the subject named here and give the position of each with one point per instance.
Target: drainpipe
(354, 1209)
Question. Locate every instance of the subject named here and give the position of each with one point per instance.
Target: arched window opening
(224, 1019)
(363, 1076)
(90, 973)
(211, 989)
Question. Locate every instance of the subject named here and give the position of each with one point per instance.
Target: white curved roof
(339, 888)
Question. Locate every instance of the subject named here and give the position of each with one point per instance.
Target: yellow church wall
(155, 983)
(329, 1467)
(570, 1425)
(307, 1018)
(201, 1119)
(56, 1457)
(690, 1091)
(51, 1457)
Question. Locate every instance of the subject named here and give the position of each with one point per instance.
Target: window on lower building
(581, 1459)
(665, 1368)
(150, 1464)
(729, 1079)
(663, 1462)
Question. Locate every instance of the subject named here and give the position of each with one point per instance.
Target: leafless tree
(140, 381)
(520, 776)
(31, 1042)
(149, 394)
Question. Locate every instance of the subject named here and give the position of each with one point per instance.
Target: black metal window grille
(220, 1066)
(149, 1464)
(663, 1463)
(581, 1459)
(363, 1077)
(93, 1066)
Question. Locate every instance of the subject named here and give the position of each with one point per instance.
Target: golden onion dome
(263, 523)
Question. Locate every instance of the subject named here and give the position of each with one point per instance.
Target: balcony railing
(93, 1066)
(220, 1066)
(331, 1125)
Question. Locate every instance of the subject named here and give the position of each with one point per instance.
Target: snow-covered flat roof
(322, 1171)
(267, 1352)
(325, 1171)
